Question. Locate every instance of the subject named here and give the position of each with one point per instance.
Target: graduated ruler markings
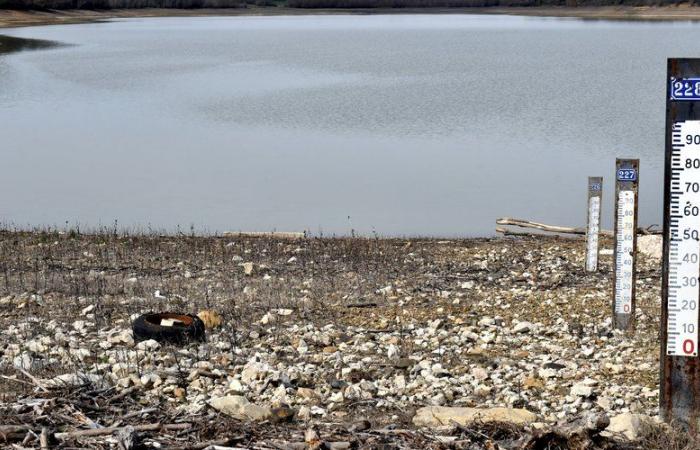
(684, 240)
(592, 237)
(624, 252)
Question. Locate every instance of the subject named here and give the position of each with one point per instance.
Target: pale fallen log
(109, 430)
(507, 232)
(542, 226)
(558, 229)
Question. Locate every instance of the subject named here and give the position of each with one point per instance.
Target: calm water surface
(403, 125)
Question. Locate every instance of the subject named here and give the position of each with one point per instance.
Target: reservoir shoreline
(14, 18)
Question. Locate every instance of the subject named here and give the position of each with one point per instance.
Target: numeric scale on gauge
(626, 182)
(684, 240)
(595, 196)
(680, 369)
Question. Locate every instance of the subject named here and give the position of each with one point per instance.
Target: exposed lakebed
(370, 341)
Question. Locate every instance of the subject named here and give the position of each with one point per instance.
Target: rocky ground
(324, 343)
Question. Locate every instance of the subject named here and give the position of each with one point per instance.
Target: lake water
(394, 124)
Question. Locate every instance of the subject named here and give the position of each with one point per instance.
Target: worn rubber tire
(147, 326)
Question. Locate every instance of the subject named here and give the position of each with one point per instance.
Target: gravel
(333, 330)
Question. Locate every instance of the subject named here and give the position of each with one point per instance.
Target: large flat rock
(240, 408)
(433, 416)
(631, 426)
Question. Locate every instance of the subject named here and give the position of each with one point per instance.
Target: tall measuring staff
(626, 182)
(680, 368)
(595, 197)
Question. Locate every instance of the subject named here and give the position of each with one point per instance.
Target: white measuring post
(682, 291)
(595, 197)
(679, 399)
(626, 182)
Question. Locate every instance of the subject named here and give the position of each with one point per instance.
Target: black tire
(147, 326)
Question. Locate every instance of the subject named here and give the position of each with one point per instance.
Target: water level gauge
(595, 195)
(626, 182)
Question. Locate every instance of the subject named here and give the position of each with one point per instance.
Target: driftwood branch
(557, 229)
(544, 227)
(110, 430)
(508, 232)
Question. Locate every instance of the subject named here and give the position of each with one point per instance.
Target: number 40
(690, 257)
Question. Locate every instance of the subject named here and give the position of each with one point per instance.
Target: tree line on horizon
(43, 5)
(349, 4)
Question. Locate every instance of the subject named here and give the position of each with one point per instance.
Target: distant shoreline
(13, 18)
